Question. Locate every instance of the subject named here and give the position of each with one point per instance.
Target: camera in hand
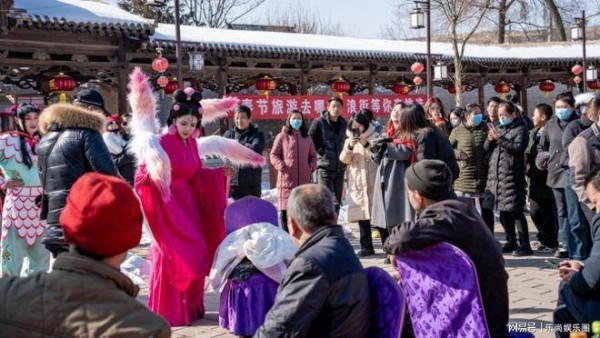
(379, 144)
(355, 132)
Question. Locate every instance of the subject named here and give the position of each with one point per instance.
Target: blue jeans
(561, 213)
(579, 240)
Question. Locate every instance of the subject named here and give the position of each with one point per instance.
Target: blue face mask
(296, 124)
(563, 113)
(505, 122)
(582, 109)
(476, 119)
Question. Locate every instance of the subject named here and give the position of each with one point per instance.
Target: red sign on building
(278, 107)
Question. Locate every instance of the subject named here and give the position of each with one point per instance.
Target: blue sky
(359, 18)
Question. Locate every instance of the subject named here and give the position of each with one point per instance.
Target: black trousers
(236, 192)
(283, 220)
(510, 219)
(384, 233)
(366, 240)
(334, 181)
(543, 215)
(488, 218)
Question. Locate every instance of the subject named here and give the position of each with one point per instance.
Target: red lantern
(340, 86)
(401, 88)
(577, 79)
(594, 85)
(265, 84)
(62, 83)
(502, 88)
(547, 87)
(160, 64)
(577, 69)
(417, 80)
(417, 67)
(171, 87)
(162, 81)
(451, 89)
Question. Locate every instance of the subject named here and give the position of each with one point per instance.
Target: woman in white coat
(361, 177)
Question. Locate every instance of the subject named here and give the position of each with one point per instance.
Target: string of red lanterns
(160, 65)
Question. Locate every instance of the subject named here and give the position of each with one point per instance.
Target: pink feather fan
(145, 128)
(215, 109)
(229, 150)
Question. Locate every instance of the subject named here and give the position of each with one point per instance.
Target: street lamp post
(159, 3)
(417, 18)
(578, 33)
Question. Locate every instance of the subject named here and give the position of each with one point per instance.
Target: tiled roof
(78, 16)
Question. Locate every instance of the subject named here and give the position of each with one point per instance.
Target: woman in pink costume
(183, 202)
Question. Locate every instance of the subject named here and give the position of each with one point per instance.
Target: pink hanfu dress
(187, 228)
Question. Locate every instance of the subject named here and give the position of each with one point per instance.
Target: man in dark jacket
(72, 146)
(556, 163)
(85, 295)
(579, 291)
(324, 292)
(442, 218)
(247, 182)
(541, 200)
(328, 133)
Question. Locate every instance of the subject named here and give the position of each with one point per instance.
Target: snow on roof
(278, 40)
(79, 11)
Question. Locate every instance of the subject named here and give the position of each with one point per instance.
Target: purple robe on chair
(244, 304)
(442, 291)
(388, 304)
(246, 301)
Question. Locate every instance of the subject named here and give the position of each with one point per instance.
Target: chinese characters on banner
(278, 107)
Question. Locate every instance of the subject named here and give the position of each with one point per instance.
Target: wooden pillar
(371, 78)
(481, 92)
(122, 78)
(222, 81)
(523, 93)
(304, 71)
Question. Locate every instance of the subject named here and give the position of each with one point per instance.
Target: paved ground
(532, 286)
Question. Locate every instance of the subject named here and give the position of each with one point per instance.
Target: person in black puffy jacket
(506, 176)
(72, 146)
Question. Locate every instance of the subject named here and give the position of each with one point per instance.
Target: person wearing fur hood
(361, 173)
(71, 146)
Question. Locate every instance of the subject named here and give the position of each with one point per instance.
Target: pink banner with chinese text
(278, 107)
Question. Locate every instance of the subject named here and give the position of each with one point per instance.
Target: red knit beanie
(102, 215)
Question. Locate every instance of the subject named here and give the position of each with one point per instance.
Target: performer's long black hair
(20, 113)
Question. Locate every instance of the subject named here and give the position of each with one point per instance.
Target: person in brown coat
(85, 295)
(294, 157)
